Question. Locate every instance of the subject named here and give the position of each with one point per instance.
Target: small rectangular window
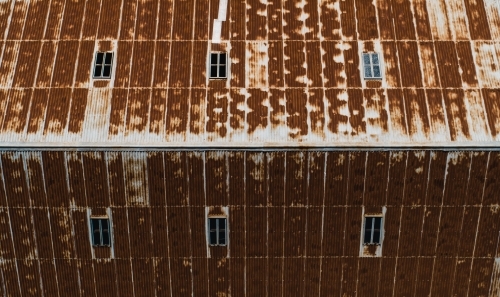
(218, 65)
(371, 66)
(372, 230)
(217, 230)
(103, 65)
(100, 231)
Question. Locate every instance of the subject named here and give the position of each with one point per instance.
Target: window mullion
(100, 233)
(217, 225)
(372, 230)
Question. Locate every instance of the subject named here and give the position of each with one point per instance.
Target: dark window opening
(100, 232)
(217, 228)
(218, 65)
(372, 230)
(103, 64)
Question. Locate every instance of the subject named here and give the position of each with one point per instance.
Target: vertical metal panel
(62, 238)
(396, 179)
(96, 179)
(116, 178)
(352, 231)
(276, 169)
(204, 278)
(436, 178)
(143, 277)
(375, 179)
(391, 231)
(331, 277)
(50, 284)
(175, 175)
(12, 282)
(156, 179)
(178, 224)
(215, 169)
(314, 225)
(294, 231)
(311, 280)
(136, 191)
(387, 270)
(337, 176)
(368, 276)
(238, 276)
(449, 230)
(416, 177)
(15, 180)
(296, 178)
(275, 232)
(489, 224)
(429, 231)
(140, 232)
(405, 276)
(181, 283)
(256, 277)
(36, 180)
(162, 276)
(256, 179)
(77, 190)
(256, 231)
(293, 274)
(6, 241)
(81, 236)
(316, 178)
(477, 173)
(124, 277)
(198, 232)
(349, 276)
(68, 277)
(104, 278)
(462, 276)
(22, 233)
(120, 232)
(160, 236)
(43, 232)
(492, 180)
(237, 236)
(480, 278)
(442, 278)
(334, 231)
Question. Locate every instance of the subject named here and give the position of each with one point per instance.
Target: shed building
(249, 148)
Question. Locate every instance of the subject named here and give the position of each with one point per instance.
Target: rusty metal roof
(295, 77)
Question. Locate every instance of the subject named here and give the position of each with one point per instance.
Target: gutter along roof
(295, 74)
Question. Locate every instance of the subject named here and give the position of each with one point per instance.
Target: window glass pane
(377, 223)
(213, 71)
(222, 223)
(222, 236)
(99, 58)
(96, 234)
(97, 71)
(212, 224)
(376, 71)
(368, 71)
(105, 237)
(107, 71)
(222, 71)
(375, 58)
(213, 237)
(222, 58)
(213, 58)
(109, 58)
(368, 235)
(376, 236)
(366, 59)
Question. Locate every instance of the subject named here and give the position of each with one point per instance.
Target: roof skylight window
(371, 66)
(103, 65)
(218, 65)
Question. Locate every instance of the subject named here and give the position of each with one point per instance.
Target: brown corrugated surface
(312, 248)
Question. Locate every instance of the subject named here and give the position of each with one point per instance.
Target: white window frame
(217, 65)
(371, 65)
(217, 231)
(372, 227)
(100, 219)
(103, 65)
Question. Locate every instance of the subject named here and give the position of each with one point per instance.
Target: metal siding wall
(294, 223)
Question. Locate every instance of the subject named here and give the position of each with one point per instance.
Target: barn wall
(294, 219)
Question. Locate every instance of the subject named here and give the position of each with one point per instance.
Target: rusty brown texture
(348, 19)
(25, 70)
(295, 51)
(35, 20)
(17, 21)
(57, 113)
(17, 110)
(64, 67)
(46, 63)
(72, 20)
(137, 110)
(164, 237)
(478, 21)
(410, 64)
(141, 67)
(366, 21)
(92, 19)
